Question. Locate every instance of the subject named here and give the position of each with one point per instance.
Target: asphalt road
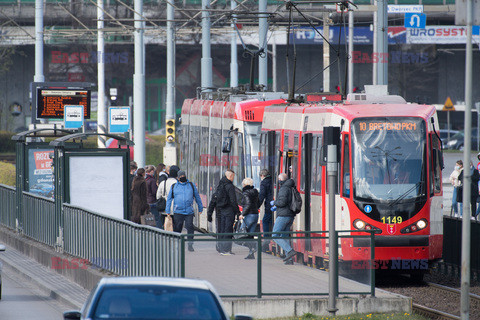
(22, 300)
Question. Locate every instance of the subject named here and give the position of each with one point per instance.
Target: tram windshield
(252, 151)
(388, 159)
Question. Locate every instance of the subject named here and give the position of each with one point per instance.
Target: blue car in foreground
(147, 298)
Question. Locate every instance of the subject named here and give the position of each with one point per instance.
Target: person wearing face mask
(183, 194)
(475, 177)
(456, 183)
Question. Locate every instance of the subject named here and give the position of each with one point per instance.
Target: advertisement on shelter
(40, 172)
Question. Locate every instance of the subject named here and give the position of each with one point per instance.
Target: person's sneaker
(190, 248)
(226, 253)
(289, 262)
(250, 256)
(290, 255)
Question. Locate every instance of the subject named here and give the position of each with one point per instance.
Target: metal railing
(7, 206)
(262, 238)
(120, 246)
(38, 218)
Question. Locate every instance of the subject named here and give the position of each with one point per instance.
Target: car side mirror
(242, 317)
(72, 315)
(2, 247)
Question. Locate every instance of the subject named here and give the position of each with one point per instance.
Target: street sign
(415, 20)
(73, 116)
(448, 106)
(119, 119)
(409, 8)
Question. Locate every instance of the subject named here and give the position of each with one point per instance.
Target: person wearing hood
(180, 202)
(285, 216)
(227, 209)
(164, 189)
(250, 212)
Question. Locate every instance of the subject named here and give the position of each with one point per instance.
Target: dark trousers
(226, 226)
(218, 223)
(267, 221)
(158, 219)
(179, 219)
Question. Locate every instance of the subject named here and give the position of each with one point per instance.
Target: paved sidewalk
(57, 286)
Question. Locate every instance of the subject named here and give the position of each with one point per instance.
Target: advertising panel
(40, 172)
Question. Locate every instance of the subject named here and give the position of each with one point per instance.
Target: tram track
(432, 300)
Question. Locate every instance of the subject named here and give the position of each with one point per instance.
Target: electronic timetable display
(51, 102)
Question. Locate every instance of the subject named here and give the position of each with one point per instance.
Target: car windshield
(146, 302)
(388, 158)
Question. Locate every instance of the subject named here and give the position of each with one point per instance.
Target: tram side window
(318, 183)
(302, 167)
(314, 163)
(437, 170)
(294, 162)
(346, 167)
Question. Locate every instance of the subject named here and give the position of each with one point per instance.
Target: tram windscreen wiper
(418, 184)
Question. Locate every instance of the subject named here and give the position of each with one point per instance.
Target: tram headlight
(421, 224)
(359, 224)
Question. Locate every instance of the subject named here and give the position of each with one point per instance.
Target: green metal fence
(238, 275)
(120, 246)
(38, 218)
(7, 206)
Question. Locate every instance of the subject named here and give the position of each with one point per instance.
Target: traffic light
(170, 132)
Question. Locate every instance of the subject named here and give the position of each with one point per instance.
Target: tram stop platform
(287, 290)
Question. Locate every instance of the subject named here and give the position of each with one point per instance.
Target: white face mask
(457, 167)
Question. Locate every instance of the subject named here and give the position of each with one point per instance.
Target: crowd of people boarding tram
(163, 197)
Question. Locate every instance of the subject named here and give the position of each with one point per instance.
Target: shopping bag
(168, 223)
(148, 219)
(240, 230)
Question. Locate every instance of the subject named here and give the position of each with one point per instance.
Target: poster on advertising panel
(40, 172)
(442, 35)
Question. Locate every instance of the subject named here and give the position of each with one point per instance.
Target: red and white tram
(389, 169)
(389, 176)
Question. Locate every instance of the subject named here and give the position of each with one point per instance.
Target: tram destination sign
(375, 125)
(51, 102)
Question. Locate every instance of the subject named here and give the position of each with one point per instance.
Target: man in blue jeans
(285, 216)
(183, 193)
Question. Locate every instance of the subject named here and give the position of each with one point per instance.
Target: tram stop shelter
(64, 170)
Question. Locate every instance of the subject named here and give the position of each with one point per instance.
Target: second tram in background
(390, 169)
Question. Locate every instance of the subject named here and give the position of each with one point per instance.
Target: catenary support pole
(350, 51)
(207, 82)
(466, 224)
(274, 63)
(39, 77)
(262, 37)
(233, 50)
(101, 108)
(139, 87)
(332, 233)
(382, 42)
(326, 53)
(375, 45)
(169, 151)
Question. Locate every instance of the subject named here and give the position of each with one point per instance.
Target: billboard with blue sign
(361, 35)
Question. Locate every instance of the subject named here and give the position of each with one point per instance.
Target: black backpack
(296, 203)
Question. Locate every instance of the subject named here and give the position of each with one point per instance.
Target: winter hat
(181, 173)
(174, 171)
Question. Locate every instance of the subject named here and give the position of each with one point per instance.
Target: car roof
(161, 281)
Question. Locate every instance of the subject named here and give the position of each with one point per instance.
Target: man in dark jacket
(227, 209)
(285, 216)
(266, 194)
(152, 193)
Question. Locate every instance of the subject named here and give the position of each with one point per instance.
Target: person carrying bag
(166, 220)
